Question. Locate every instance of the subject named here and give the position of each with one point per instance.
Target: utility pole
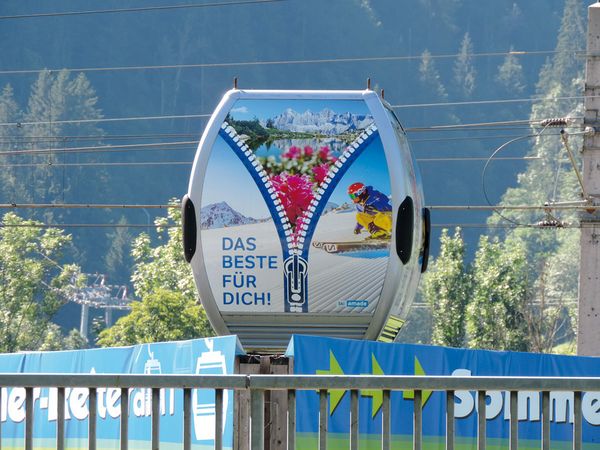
(588, 336)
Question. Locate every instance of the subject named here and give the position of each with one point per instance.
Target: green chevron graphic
(335, 395)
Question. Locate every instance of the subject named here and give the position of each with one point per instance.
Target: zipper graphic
(295, 244)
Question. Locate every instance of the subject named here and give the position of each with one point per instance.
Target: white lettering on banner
(467, 403)
(12, 403)
(561, 404)
(16, 405)
(590, 405)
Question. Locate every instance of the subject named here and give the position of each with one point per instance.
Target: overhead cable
(63, 150)
(277, 62)
(84, 206)
(140, 9)
(494, 102)
(50, 164)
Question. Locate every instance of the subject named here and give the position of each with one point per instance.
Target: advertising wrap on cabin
(200, 356)
(292, 210)
(325, 356)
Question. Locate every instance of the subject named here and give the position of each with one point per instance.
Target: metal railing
(257, 385)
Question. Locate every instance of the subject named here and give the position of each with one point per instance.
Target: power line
(100, 120)
(85, 225)
(189, 163)
(499, 226)
(476, 158)
(493, 102)
(123, 147)
(94, 137)
(141, 9)
(475, 138)
(193, 116)
(277, 62)
(511, 207)
(102, 164)
(83, 206)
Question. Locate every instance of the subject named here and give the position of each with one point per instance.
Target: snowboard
(349, 246)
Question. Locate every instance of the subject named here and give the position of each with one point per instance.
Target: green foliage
(168, 309)
(495, 315)
(33, 285)
(161, 316)
(446, 289)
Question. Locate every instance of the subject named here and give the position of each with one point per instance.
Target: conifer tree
(430, 77)
(464, 69)
(510, 74)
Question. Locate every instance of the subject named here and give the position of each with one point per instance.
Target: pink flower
(320, 172)
(295, 193)
(324, 153)
(308, 151)
(293, 153)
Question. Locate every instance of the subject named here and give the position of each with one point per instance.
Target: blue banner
(199, 356)
(315, 355)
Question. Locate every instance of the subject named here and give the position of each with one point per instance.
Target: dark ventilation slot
(188, 221)
(405, 223)
(426, 238)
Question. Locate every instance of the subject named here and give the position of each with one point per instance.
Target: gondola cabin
(304, 214)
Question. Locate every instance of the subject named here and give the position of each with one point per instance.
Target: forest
(76, 129)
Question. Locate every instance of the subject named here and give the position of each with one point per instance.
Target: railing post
(353, 419)
(218, 419)
(0, 418)
(155, 444)
(60, 419)
(291, 425)
(418, 420)
(29, 418)
(545, 420)
(323, 419)
(257, 419)
(187, 419)
(124, 419)
(93, 411)
(481, 421)
(386, 421)
(577, 434)
(514, 420)
(450, 420)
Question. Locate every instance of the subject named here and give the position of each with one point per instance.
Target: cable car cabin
(304, 214)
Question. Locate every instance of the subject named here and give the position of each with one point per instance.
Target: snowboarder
(373, 211)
